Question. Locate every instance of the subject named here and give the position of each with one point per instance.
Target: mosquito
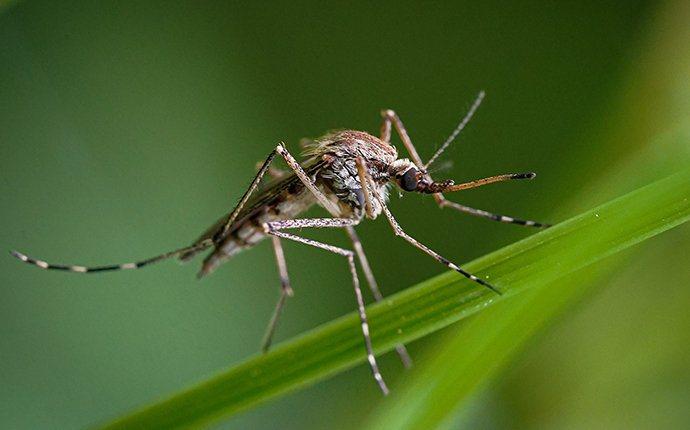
(348, 173)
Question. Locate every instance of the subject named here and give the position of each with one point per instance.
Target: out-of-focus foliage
(528, 264)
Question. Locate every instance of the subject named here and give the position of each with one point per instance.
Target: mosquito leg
(302, 175)
(361, 173)
(401, 233)
(285, 292)
(390, 117)
(385, 133)
(443, 202)
(492, 216)
(220, 234)
(374, 287)
(124, 266)
(184, 253)
(274, 228)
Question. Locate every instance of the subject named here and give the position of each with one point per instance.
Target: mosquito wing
(265, 197)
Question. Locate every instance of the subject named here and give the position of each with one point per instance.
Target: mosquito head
(405, 174)
(410, 177)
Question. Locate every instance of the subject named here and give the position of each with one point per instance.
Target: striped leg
(205, 241)
(374, 287)
(125, 266)
(285, 292)
(391, 119)
(492, 216)
(186, 253)
(274, 229)
(401, 233)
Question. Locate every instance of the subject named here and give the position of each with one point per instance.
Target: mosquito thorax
(340, 150)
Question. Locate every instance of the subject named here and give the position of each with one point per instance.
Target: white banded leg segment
(492, 216)
(113, 267)
(374, 287)
(274, 229)
(399, 232)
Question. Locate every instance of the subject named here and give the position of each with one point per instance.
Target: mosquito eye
(408, 181)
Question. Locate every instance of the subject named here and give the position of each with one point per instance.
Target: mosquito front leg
(275, 229)
(401, 233)
(389, 116)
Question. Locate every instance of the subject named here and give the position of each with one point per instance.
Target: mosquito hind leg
(285, 292)
(374, 287)
(275, 229)
(113, 267)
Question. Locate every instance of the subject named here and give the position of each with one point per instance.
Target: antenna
(458, 129)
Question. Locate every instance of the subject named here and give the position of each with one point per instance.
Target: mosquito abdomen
(250, 231)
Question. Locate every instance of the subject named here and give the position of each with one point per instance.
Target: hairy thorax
(340, 177)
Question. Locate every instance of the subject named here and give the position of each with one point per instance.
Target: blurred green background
(127, 128)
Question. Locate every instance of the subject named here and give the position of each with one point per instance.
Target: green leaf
(427, 307)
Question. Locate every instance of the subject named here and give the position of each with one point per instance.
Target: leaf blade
(429, 306)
